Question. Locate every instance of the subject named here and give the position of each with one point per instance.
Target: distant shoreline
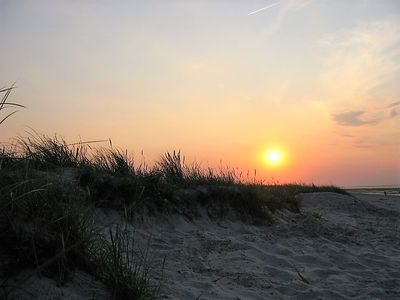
(372, 187)
(376, 190)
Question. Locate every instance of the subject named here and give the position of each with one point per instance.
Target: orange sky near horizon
(316, 79)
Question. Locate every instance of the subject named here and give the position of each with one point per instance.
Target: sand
(338, 247)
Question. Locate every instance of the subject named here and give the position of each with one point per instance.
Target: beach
(200, 150)
(337, 247)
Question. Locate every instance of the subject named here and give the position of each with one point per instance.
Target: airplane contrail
(264, 8)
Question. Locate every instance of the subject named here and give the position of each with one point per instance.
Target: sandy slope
(339, 247)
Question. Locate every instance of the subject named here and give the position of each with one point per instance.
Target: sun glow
(273, 157)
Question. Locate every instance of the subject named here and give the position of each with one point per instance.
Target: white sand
(339, 247)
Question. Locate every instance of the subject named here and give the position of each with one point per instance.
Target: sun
(273, 157)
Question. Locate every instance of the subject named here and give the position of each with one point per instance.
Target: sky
(222, 81)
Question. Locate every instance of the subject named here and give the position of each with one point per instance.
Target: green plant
(41, 219)
(125, 271)
(46, 222)
(46, 153)
(113, 161)
(171, 166)
(4, 104)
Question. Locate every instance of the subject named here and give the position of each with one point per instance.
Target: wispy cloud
(263, 8)
(393, 104)
(365, 117)
(360, 60)
(352, 118)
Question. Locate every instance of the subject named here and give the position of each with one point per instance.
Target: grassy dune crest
(50, 191)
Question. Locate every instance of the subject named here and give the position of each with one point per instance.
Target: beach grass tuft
(123, 268)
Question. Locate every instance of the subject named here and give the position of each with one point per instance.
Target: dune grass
(48, 153)
(47, 224)
(5, 104)
(126, 272)
(49, 190)
(46, 220)
(111, 179)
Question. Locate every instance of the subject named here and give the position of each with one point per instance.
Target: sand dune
(338, 247)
